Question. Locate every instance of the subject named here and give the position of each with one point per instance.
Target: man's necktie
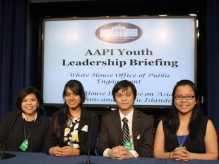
(125, 132)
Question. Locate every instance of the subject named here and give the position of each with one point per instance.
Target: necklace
(25, 136)
(181, 140)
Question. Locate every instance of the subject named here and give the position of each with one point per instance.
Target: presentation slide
(152, 52)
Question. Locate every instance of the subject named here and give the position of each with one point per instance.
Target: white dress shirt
(129, 116)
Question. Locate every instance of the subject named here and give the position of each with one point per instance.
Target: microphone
(89, 143)
(4, 155)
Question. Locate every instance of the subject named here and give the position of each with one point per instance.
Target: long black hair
(76, 87)
(172, 122)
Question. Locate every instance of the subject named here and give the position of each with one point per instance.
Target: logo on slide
(118, 32)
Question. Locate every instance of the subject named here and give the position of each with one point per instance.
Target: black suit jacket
(86, 139)
(111, 133)
(12, 133)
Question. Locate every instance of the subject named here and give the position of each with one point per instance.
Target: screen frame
(112, 106)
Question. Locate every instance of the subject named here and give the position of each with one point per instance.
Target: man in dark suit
(135, 139)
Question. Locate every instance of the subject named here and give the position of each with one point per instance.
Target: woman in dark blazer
(26, 129)
(73, 130)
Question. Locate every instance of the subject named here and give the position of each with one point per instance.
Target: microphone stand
(4, 155)
(88, 154)
(89, 143)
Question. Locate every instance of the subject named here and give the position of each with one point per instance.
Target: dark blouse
(196, 145)
(14, 128)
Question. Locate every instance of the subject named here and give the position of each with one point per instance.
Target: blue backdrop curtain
(212, 57)
(13, 18)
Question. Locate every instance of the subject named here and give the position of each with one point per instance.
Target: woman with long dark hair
(185, 133)
(74, 130)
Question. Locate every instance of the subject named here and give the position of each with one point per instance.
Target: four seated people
(184, 134)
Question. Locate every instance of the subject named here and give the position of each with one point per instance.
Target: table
(42, 158)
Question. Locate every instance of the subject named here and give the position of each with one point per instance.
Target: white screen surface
(153, 53)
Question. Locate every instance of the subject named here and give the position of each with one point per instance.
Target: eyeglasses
(187, 97)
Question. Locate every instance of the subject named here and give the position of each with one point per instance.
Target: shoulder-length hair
(26, 91)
